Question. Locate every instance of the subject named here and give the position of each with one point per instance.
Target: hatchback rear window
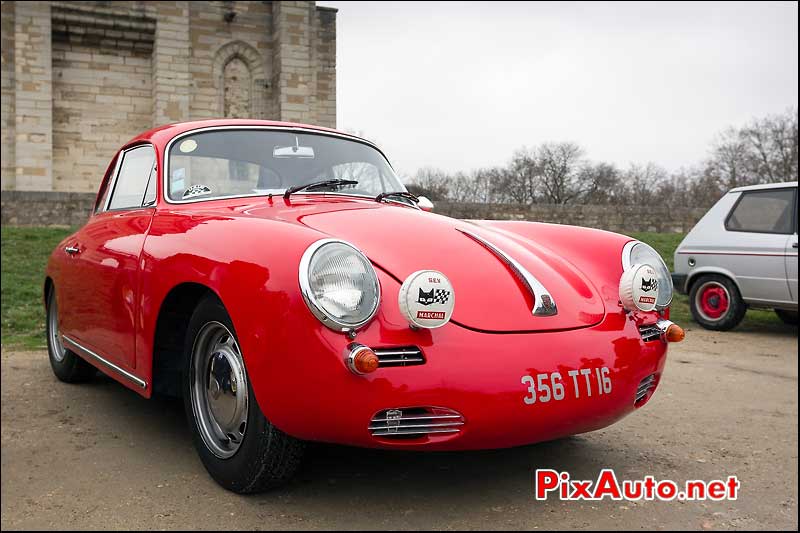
(769, 211)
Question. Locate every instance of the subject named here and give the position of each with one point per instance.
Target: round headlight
(339, 284)
(638, 253)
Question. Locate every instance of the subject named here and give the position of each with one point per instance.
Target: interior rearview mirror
(296, 151)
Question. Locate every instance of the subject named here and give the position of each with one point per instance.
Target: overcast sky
(462, 85)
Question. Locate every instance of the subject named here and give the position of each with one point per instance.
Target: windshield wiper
(401, 194)
(318, 185)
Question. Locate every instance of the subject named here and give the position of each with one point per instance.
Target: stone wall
(105, 65)
(619, 218)
(45, 208)
(80, 78)
(30, 208)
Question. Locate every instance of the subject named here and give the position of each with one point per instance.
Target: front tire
(66, 365)
(239, 447)
(715, 303)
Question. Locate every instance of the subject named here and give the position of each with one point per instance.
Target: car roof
(162, 134)
(764, 186)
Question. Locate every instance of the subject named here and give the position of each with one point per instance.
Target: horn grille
(415, 422)
(645, 390)
(402, 356)
(650, 332)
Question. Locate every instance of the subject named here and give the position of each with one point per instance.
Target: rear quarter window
(770, 211)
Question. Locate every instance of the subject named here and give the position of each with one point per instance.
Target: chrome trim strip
(537, 290)
(112, 180)
(387, 433)
(389, 351)
(121, 371)
(419, 417)
(165, 170)
(390, 357)
(725, 252)
(626, 254)
(416, 426)
(398, 361)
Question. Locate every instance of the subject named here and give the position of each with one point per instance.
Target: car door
(791, 256)
(758, 227)
(99, 297)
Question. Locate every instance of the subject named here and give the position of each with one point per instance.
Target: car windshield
(225, 163)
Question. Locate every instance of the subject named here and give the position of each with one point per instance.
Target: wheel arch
(172, 323)
(700, 272)
(46, 288)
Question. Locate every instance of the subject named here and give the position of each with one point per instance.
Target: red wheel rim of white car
(713, 300)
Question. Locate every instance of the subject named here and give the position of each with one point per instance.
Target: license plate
(578, 383)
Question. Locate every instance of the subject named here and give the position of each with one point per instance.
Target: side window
(769, 211)
(133, 178)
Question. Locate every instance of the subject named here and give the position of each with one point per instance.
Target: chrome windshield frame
(295, 129)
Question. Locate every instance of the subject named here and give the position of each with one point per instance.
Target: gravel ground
(98, 456)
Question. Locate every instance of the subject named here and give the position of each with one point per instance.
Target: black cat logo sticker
(433, 296)
(649, 285)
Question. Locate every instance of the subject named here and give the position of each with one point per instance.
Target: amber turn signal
(674, 333)
(361, 359)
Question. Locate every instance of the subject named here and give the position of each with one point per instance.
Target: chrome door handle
(72, 250)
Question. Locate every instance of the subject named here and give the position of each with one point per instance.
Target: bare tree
(601, 184)
(642, 182)
(763, 151)
(485, 182)
(560, 177)
(729, 159)
(518, 183)
(772, 142)
(431, 182)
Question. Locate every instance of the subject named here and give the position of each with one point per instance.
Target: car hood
(488, 294)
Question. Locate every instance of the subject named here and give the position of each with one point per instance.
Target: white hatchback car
(742, 253)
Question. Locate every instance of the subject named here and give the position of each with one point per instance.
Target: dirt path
(98, 456)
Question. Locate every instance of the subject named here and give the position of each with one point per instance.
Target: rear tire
(239, 447)
(66, 364)
(715, 303)
(788, 317)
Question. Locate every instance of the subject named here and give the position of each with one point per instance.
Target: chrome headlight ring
(637, 252)
(357, 293)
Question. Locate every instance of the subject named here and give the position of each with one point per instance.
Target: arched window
(239, 74)
(237, 84)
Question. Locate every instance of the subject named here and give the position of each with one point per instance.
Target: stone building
(81, 78)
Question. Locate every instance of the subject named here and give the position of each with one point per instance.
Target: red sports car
(281, 279)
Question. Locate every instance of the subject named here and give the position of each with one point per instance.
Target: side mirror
(424, 204)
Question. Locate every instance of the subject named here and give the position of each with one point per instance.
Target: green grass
(25, 252)
(665, 244)
(24, 257)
